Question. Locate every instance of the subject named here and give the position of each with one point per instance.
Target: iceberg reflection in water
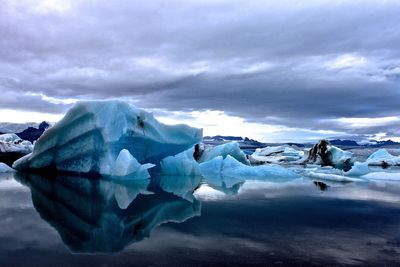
(102, 215)
(297, 221)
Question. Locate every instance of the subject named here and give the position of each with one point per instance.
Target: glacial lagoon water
(76, 221)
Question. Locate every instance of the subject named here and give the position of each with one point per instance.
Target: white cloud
(346, 61)
(19, 116)
(367, 122)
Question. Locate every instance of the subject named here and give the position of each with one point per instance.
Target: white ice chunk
(233, 169)
(182, 164)
(10, 137)
(277, 154)
(126, 164)
(231, 148)
(383, 157)
(5, 168)
(339, 156)
(12, 143)
(92, 134)
(358, 169)
(330, 177)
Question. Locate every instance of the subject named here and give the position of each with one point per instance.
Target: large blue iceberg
(91, 136)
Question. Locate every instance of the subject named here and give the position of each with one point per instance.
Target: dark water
(74, 221)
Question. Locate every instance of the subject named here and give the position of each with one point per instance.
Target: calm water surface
(75, 221)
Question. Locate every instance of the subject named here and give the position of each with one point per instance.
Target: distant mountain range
(31, 132)
(251, 143)
(11, 127)
(243, 142)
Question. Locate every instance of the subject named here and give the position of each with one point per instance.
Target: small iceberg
(182, 164)
(230, 168)
(277, 154)
(11, 143)
(382, 157)
(232, 149)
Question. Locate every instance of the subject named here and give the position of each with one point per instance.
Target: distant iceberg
(232, 149)
(230, 170)
(277, 154)
(11, 143)
(339, 157)
(92, 134)
(382, 157)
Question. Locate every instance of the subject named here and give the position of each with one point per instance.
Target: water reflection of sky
(162, 223)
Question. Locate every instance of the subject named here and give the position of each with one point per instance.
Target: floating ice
(92, 134)
(358, 169)
(182, 164)
(340, 157)
(126, 164)
(277, 154)
(330, 177)
(233, 169)
(213, 172)
(5, 168)
(382, 157)
(12, 143)
(232, 149)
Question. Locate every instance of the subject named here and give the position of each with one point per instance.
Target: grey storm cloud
(277, 62)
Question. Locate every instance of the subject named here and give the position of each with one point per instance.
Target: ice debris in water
(12, 143)
(182, 164)
(358, 169)
(330, 176)
(277, 154)
(232, 149)
(382, 157)
(126, 164)
(92, 134)
(340, 157)
(230, 168)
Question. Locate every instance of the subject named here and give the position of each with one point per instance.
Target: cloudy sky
(271, 70)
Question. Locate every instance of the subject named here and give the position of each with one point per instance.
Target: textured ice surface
(231, 148)
(339, 156)
(277, 154)
(230, 167)
(92, 134)
(182, 164)
(383, 157)
(5, 168)
(126, 164)
(358, 169)
(12, 143)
